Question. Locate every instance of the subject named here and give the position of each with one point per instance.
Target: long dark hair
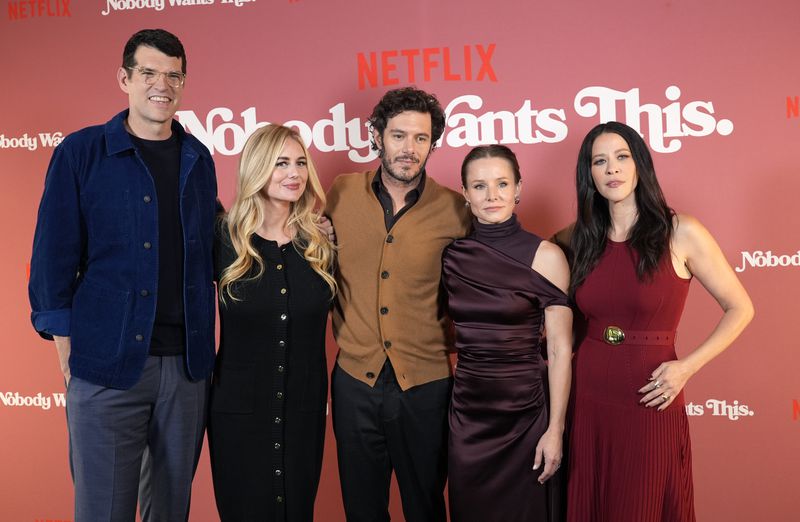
(651, 233)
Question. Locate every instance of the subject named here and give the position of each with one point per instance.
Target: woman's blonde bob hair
(246, 215)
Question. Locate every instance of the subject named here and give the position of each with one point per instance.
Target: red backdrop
(713, 86)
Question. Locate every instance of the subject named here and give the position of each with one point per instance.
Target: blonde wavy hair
(245, 216)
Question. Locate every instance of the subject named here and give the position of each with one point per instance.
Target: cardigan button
(384, 310)
(389, 238)
(387, 344)
(384, 275)
(370, 375)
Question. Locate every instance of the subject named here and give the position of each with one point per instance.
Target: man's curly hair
(407, 99)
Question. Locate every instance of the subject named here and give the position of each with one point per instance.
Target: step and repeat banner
(713, 87)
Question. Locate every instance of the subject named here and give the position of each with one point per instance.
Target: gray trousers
(139, 443)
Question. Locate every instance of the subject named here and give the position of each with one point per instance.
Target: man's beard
(401, 175)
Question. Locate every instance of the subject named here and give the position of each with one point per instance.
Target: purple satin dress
(499, 406)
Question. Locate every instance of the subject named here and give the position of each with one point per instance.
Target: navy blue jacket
(94, 269)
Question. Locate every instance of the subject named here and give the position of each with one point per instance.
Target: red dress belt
(616, 336)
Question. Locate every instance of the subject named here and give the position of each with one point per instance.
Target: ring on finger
(665, 396)
(657, 384)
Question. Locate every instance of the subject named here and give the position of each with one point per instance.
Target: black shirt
(163, 160)
(389, 217)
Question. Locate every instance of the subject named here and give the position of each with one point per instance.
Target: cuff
(53, 322)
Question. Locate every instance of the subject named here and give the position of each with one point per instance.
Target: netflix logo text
(451, 64)
(22, 9)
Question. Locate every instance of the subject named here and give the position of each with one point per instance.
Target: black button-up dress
(266, 425)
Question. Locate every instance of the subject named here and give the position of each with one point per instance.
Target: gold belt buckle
(613, 335)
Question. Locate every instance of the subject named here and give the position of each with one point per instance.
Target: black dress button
(139, 337)
(279, 395)
(147, 245)
(384, 275)
(277, 445)
(277, 420)
(384, 310)
(278, 473)
(387, 344)
(389, 238)
(279, 499)
(280, 368)
(283, 317)
(370, 375)
(281, 343)
(147, 199)
(144, 293)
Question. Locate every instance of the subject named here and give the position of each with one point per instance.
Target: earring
(466, 203)
(516, 200)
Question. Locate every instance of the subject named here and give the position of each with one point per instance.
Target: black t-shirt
(163, 160)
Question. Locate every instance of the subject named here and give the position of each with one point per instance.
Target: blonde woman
(273, 266)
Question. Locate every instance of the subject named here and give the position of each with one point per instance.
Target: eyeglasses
(174, 79)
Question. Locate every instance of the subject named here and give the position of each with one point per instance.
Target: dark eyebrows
(144, 69)
(603, 155)
(403, 132)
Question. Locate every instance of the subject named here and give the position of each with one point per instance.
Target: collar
(494, 231)
(413, 195)
(118, 139)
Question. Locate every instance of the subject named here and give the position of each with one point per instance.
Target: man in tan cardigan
(392, 381)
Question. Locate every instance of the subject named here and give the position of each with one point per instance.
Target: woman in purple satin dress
(505, 286)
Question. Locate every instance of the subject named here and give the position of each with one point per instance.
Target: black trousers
(383, 428)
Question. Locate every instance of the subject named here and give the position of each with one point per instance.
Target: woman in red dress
(632, 260)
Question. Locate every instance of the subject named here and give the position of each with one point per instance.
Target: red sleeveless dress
(628, 463)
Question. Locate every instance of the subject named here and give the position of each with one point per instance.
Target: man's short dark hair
(160, 39)
(407, 99)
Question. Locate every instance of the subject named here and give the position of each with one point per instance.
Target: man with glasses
(121, 279)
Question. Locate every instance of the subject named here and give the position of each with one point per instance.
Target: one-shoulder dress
(628, 463)
(499, 408)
